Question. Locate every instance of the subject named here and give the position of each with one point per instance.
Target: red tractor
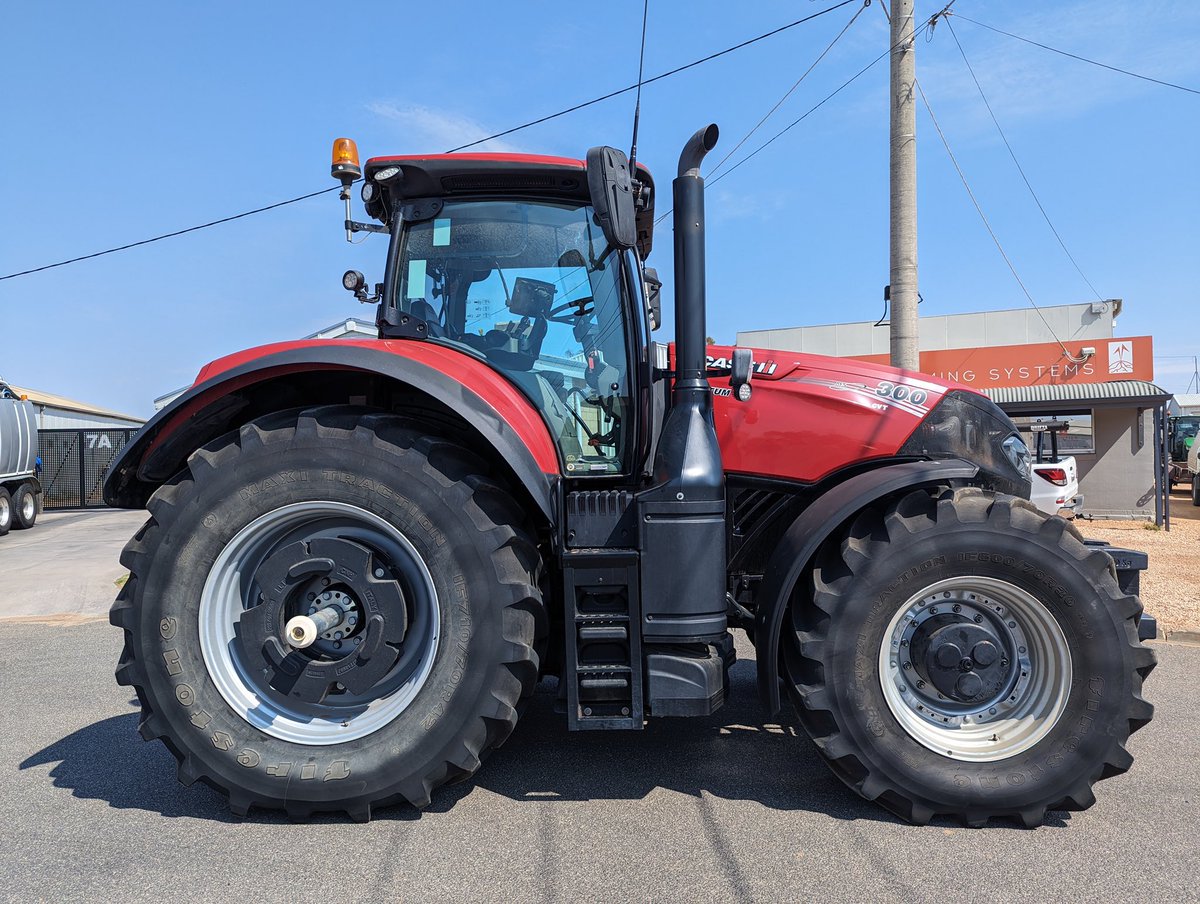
(362, 555)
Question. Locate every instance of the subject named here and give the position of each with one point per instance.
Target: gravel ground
(1171, 583)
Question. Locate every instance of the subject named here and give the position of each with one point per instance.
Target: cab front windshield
(529, 286)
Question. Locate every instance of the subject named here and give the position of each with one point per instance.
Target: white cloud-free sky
(126, 121)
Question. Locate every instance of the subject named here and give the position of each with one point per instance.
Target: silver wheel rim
(1008, 722)
(229, 590)
(5, 512)
(27, 507)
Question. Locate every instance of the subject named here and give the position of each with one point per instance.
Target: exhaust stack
(690, 322)
(682, 516)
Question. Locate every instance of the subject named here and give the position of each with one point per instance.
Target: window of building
(1077, 439)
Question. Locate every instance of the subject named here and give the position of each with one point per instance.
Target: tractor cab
(503, 257)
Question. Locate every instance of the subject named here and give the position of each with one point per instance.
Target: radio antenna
(637, 108)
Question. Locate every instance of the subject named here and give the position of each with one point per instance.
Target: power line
(1017, 163)
(1082, 59)
(655, 78)
(580, 106)
(795, 122)
(983, 216)
(169, 235)
(788, 93)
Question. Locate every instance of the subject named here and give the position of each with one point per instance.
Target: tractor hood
(812, 415)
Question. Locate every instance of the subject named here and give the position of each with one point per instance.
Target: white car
(1055, 478)
(1056, 486)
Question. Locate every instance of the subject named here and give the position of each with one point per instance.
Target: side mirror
(741, 366)
(653, 296)
(611, 191)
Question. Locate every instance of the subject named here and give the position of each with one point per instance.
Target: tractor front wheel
(330, 610)
(966, 655)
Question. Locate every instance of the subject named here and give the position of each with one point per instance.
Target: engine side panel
(810, 415)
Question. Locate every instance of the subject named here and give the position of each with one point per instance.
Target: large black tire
(478, 551)
(866, 579)
(25, 507)
(6, 511)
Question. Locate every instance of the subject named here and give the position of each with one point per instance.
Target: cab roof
(529, 175)
(439, 175)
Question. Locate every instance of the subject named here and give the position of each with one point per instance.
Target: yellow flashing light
(345, 167)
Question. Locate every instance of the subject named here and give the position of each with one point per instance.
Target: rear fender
(794, 554)
(506, 423)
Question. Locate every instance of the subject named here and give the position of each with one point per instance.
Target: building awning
(1119, 392)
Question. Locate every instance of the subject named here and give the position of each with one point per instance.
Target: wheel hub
(975, 668)
(962, 659)
(307, 577)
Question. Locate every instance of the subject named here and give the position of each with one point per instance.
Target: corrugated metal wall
(61, 419)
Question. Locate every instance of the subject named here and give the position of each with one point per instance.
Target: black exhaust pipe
(690, 323)
(682, 516)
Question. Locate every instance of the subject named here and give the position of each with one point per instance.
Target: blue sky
(126, 121)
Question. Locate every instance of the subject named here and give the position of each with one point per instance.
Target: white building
(55, 412)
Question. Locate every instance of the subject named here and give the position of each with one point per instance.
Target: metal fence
(74, 463)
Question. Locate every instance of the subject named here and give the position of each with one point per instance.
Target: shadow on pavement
(737, 754)
(108, 761)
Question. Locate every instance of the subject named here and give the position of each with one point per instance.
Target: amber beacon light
(346, 170)
(345, 167)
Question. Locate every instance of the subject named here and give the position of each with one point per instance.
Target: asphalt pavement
(66, 564)
(734, 807)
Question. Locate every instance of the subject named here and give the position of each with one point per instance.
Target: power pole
(903, 279)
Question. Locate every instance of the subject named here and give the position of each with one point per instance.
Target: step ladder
(602, 620)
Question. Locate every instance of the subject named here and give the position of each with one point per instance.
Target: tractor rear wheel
(415, 576)
(966, 655)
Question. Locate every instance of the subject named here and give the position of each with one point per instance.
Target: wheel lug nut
(978, 619)
(920, 684)
(907, 665)
(379, 572)
(933, 610)
(956, 607)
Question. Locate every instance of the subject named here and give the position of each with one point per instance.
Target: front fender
(504, 419)
(794, 554)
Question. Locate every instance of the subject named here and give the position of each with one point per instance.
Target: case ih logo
(1120, 357)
